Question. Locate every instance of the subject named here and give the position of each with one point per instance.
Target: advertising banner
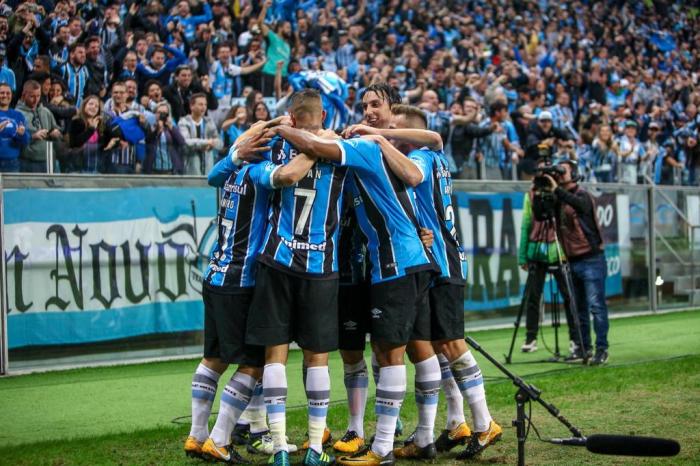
(489, 226)
(103, 264)
(91, 265)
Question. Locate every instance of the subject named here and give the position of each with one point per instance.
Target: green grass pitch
(138, 414)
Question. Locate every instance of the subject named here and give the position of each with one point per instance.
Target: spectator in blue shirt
(14, 135)
(181, 14)
(158, 68)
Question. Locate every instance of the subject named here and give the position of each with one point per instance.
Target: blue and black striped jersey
(242, 221)
(386, 211)
(434, 200)
(302, 233)
(352, 244)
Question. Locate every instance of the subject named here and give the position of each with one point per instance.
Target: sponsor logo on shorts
(350, 325)
(376, 313)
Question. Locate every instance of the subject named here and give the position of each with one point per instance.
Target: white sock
(257, 416)
(390, 394)
(468, 376)
(204, 384)
(453, 397)
(234, 400)
(356, 382)
(318, 394)
(275, 393)
(427, 384)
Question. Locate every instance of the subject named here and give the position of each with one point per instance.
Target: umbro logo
(350, 325)
(376, 313)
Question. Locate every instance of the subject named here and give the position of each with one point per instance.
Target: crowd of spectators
(165, 86)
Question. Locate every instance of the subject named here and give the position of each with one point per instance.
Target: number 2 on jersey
(309, 195)
(450, 218)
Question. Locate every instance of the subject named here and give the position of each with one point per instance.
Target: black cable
(529, 418)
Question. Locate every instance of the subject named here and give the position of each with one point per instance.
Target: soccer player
(401, 271)
(428, 171)
(296, 296)
(227, 292)
(353, 324)
(377, 101)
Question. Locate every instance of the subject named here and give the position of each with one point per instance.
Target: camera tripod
(561, 271)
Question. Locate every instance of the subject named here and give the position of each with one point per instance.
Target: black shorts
(353, 316)
(400, 309)
(288, 308)
(225, 318)
(446, 311)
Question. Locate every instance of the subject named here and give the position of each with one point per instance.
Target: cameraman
(538, 253)
(583, 245)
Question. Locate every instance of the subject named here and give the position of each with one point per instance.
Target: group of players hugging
(322, 239)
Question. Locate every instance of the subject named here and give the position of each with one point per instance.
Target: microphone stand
(526, 393)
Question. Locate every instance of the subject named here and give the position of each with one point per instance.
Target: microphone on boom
(625, 445)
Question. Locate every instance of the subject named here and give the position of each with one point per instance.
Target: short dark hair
(413, 114)
(227, 44)
(385, 91)
(151, 82)
(39, 77)
(182, 68)
(497, 106)
(196, 96)
(74, 46)
(92, 39)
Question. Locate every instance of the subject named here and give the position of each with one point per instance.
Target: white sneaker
(529, 346)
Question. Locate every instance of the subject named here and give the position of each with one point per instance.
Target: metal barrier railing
(690, 264)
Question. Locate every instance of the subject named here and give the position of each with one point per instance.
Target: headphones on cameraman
(573, 165)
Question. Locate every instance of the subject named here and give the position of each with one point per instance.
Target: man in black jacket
(463, 137)
(183, 87)
(96, 63)
(582, 241)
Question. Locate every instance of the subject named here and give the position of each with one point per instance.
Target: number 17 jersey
(302, 232)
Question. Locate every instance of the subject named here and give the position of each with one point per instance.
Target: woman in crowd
(234, 124)
(260, 112)
(605, 155)
(86, 138)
